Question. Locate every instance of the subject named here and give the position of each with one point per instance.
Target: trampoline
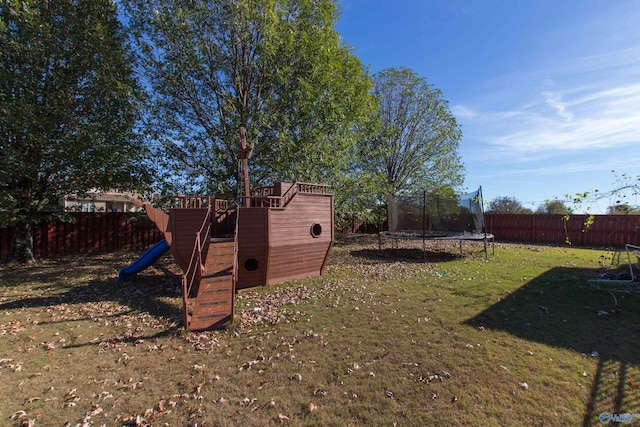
(429, 217)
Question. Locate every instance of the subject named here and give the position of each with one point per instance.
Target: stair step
(214, 308)
(219, 258)
(218, 291)
(221, 265)
(209, 293)
(220, 261)
(213, 305)
(218, 255)
(227, 258)
(221, 246)
(228, 261)
(221, 240)
(217, 276)
(215, 286)
(217, 270)
(221, 249)
(214, 321)
(227, 272)
(208, 282)
(208, 316)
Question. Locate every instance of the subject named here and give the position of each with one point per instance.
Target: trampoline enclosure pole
(424, 224)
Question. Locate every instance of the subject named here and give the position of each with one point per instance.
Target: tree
(553, 207)
(67, 109)
(623, 209)
(415, 145)
(507, 205)
(276, 67)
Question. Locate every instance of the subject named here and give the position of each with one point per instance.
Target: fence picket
(90, 232)
(606, 230)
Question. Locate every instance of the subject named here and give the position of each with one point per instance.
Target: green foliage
(415, 144)
(623, 209)
(507, 204)
(355, 200)
(553, 207)
(276, 67)
(67, 103)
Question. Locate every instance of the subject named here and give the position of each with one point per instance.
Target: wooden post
(244, 156)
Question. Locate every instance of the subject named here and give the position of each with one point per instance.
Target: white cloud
(618, 60)
(605, 164)
(554, 101)
(460, 111)
(583, 102)
(579, 118)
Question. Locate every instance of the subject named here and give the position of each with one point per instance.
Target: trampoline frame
(484, 237)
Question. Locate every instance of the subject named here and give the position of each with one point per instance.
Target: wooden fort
(272, 235)
(285, 233)
(278, 233)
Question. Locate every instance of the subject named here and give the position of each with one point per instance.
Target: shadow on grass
(369, 247)
(147, 293)
(404, 255)
(560, 308)
(44, 274)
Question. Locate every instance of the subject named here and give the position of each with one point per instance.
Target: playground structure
(429, 217)
(272, 235)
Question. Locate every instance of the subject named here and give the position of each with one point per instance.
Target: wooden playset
(272, 235)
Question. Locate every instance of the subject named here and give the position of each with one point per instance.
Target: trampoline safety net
(432, 216)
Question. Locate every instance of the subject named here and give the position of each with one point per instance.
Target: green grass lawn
(383, 338)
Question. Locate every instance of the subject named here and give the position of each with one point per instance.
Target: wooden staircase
(212, 305)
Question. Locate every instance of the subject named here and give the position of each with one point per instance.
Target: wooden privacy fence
(605, 231)
(114, 231)
(90, 232)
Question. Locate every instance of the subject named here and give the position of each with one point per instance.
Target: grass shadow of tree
(560, 308)
(404, 255)
(151, 292)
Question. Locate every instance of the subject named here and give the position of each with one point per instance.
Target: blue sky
(547, 92)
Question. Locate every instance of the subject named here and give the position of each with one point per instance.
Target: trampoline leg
(460, 247)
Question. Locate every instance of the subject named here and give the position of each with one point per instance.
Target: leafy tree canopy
(623, 209)
(415, 145)
(553, 207)
(67, 108)
(276, 67)
(507, 204)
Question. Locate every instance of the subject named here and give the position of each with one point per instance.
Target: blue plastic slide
(147, 259)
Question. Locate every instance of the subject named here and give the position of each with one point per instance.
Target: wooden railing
(263, 192)
(196, 202)
(194, 271)
(305, 187)
(234, 271)
(264, 198)
(220, 205)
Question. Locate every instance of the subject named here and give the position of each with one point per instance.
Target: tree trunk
(22, 247)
